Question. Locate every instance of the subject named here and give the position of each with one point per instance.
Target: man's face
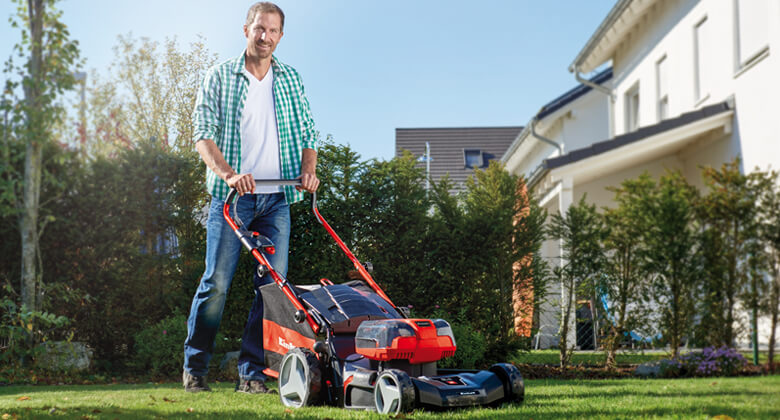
(263, 35)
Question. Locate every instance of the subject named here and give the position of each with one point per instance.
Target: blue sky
(372, 66)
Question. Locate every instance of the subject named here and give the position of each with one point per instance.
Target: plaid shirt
(217, 116)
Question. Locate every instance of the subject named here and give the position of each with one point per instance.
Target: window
(752, 30)
(632, 108)
(662, 84)
(472, 158)
(702, 53)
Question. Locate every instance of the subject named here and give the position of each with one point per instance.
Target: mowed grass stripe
(700, 398)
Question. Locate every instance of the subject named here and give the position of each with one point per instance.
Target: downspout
(543, 138)
(602, 89)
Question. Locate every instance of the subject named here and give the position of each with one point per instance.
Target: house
(454, 151)
(692, 83)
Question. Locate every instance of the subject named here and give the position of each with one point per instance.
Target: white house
(693, 82)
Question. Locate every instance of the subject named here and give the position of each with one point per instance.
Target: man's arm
(309, 181)
(212, 156)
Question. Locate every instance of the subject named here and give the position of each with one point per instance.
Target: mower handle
(297, 182)
(231, 197)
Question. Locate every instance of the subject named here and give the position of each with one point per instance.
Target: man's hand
(243, 183)
(309, 182)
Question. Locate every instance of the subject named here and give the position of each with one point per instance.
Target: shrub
(21, 329)
(471, 344)
(710, 361)
(159, 348)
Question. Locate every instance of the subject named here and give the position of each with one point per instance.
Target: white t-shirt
(259, 133)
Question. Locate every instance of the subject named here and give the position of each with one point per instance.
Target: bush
(710, 361)
(21, 330)
(159, 349)
(471, 344)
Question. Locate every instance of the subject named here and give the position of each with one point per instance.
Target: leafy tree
(503, 240)
(770, 233)
(48, 73)
(580, 231)
(670, 236)
(148, 93)
(728, 213)
(625, 279)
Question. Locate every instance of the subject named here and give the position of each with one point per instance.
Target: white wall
(668, 30)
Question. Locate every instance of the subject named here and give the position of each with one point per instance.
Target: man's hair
(263, 7)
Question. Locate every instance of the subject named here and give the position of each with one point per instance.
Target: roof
(556, 104)
(623, 18)
(634, 136)
(573, 94)
(447, 145)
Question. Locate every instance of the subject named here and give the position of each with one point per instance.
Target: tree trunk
(31, 276)
(563, 342)
(771, 355)
(774, 297)
(29, 226)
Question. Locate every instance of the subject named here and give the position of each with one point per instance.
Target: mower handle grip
(231, 197)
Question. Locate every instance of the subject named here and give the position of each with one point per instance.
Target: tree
(503, 238)
(48, 73)
(770, 233)
(672, 254)
(625, 279)
(581, 232)
(149, 93)
(728, 213)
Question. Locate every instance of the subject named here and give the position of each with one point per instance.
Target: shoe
(253, 387)
(194, 383)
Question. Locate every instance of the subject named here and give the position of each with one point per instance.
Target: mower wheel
(514, 388)
(300, 378)
(393, 392)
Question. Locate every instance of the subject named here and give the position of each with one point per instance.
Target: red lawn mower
(349, 345)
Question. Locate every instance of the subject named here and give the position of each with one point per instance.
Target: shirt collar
(239, 64)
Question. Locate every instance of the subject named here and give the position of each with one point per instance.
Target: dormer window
(472, 158)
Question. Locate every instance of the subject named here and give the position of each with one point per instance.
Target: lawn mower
(349, 345)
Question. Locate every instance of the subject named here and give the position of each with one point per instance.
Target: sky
(372, 66)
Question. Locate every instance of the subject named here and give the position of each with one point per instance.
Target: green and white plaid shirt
(217, 116)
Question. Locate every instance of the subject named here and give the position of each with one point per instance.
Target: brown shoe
(253, 387)
(194, 383)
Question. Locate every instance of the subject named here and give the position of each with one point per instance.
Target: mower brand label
(468, 393)
(285, 344)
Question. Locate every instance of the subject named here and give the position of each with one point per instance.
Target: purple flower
(165, 332)
(410, 306)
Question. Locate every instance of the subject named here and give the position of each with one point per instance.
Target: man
(252, 121)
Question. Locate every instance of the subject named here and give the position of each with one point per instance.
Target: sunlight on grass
(754, 397)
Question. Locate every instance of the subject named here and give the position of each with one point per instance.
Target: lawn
(739, 398)
(598, 358)
(552, 357)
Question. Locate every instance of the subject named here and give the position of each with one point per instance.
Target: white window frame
(740, 65)
(632, 108)
(662, 98)
(699, 95)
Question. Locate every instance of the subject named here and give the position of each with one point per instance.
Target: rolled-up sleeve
(308, 132)
(207, 108)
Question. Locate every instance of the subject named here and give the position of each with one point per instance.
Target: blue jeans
(268, 214)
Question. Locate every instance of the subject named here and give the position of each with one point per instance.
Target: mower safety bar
(246, 239)
(244, 234)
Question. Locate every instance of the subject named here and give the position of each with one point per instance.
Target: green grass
(746, 397)
(552, 357)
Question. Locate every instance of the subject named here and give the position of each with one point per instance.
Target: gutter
(611, 18)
